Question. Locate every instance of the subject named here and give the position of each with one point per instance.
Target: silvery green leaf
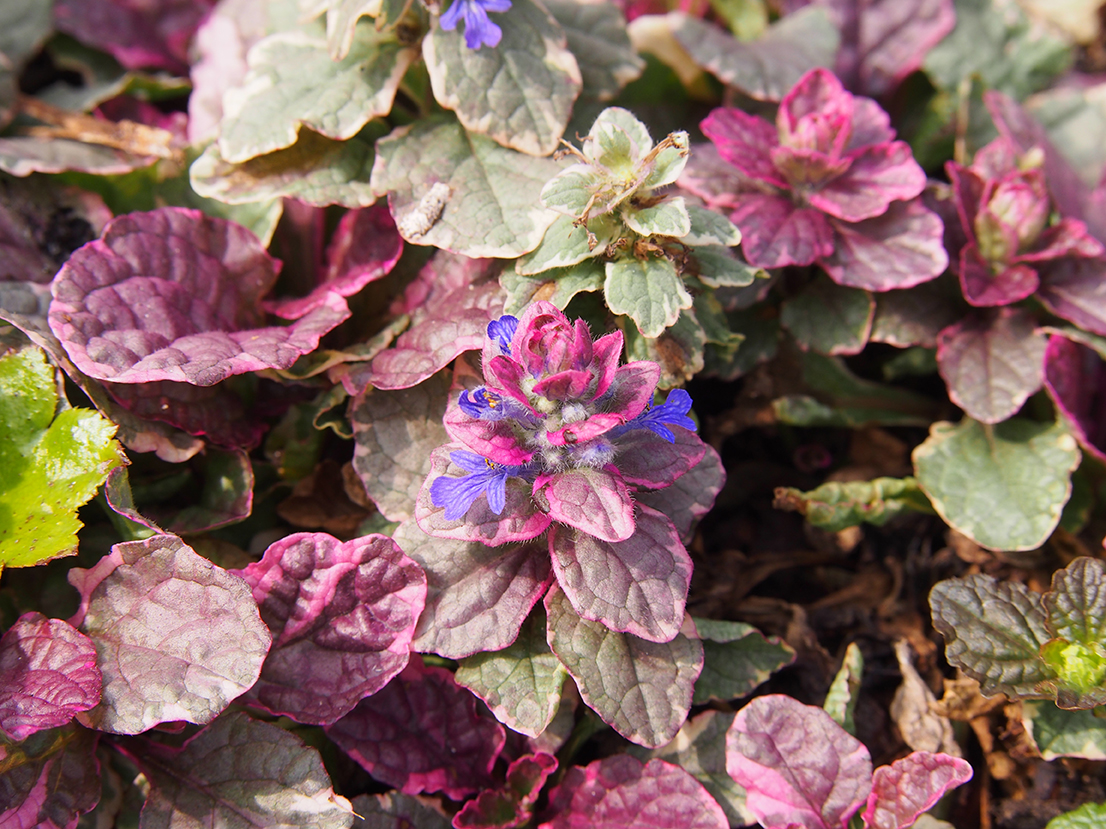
(710, 228)
(669, 218)
(558, 286)
(720, 267)
(565, 245)
(597, 37)
(649, 291)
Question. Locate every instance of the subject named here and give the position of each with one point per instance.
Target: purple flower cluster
(557, 441)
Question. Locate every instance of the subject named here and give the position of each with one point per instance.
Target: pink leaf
(910, 786)
(745, 141)
(878, 175)
(593, 500)
(647, 460)
(510, 805)
(1075, 377)
(1075, 289)
(691, 496)
(774, 232)
(48, 674)
(799, 767)
(50, 780)
(983, 288)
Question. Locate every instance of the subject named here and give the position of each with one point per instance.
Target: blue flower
(479, 30)
(503, 329)
(672, 411)
(486, 477)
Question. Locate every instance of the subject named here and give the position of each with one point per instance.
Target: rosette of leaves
(1025, 644)
(620, 233)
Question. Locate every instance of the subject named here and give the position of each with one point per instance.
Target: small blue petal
(479, 30)
(673, 412)
(457, 494)
(503, 329)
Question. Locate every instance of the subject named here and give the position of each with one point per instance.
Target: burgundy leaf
(992, 362)
(342, 618)
(775, 232)
(636, 586)
(910, 786)
(982, 287)
(593, 500)
(691, 496)
(477, 596)
(902, 248)
(423, 733)
(364, 248)
(878, 175)
(1075, 289)
(799, 767)
(238, 772)
(176, 637)
(713, 179)
(745, 141)
(621, 792)
(510, 805)
(49, 780)
(647, 460)
(173, 294)
(48, 674)
(1075, 377)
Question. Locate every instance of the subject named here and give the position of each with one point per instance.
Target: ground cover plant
(552, 414)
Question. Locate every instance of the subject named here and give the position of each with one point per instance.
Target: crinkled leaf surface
(239, 772)
(994, 631)
(176, 637)
(736, 659)
(992, 362)
(642, 689)
(48, 673)
(1087, 816)
(172, 294)
(836, 505)
(49, 465)
(477, 596)
(50, 779)
(649, 291)
(910, 786)
(293, 82)
(598, 40)
(423, 733)
(396, 810)
(636, 586)
(519, 93)
(493, 206)
(1060, 733)
(1003, 486)
(829, 318)
(1076, 605)
(521, 683)
(621, 792)
(799, 768)
(316, 169)
(342, 617)
(768, 67)
(395, 432)
(691, 496)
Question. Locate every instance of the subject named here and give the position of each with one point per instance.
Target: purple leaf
(238, 772)
(214, 412)
(902, 248)
(394, 434)
(775, 232)
(636, 586)
(621, 792)
(992, 362)
(364, 248)
(48, 674)
(647, 460)
(510, 805)
(910, 786)
(1075, 289)
(745, 141)
(1075, 377)
(983, 287)
(137, 34)
(50, 780)
(176, 637)
(477, 597)
(691, 496)
(593, 500)
(713, 179)
(799, 768)
(173, 294)
(878, 175)
(423, 733)
(641, 689)
(519, 520)
(342, 618)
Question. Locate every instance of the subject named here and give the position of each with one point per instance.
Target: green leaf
(649, 291)
(49, 465)
(710, 228)
(565, 245)
(715, 324)
(493, 208)
(994, 631)
(641, 689)
(598, 39)
(521, 92)
(836, 505)
(845, 689)
(720, 267)
(678, 350)
(521, 684)
(1060, 733)
(829, 318)
(558, 286)
(1003, 486)
(768, 67)
(1076, 604)
(760, 334)
(998, 46)
(669, 218)
(736, 659)
(293, 83)
(1087, 816)
(315, 169)
(570, 191)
